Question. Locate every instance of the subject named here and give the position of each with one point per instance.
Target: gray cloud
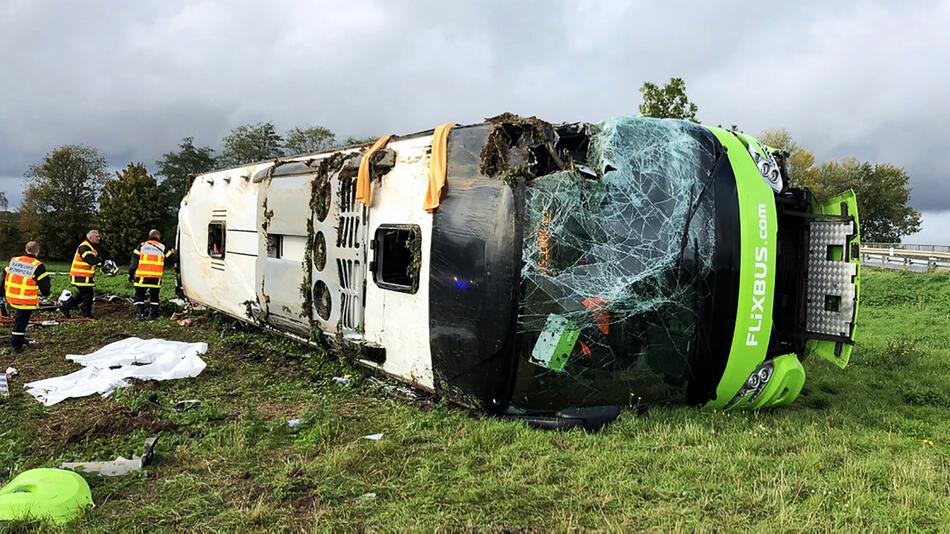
(865, 79)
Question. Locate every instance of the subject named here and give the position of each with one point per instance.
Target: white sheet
(110, 367)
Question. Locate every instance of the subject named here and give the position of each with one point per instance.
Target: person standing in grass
(145, 273)
(23, 281)
(82, 273)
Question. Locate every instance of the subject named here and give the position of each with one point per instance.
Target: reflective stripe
(20, 288)
(81, 269)
(144, 282)
(151, 261)
(82, 281)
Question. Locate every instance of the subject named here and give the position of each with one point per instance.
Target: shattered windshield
(611, 266)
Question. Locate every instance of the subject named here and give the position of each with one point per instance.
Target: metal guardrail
(897, 256)
(908, 246)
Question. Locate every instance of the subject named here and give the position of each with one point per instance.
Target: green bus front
(632, 263)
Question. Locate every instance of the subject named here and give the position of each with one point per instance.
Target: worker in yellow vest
(89, 255)
(145, 273)
(23, 281)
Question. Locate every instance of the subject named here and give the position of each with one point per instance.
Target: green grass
(865, 448)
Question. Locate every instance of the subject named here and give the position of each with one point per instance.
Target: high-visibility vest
(20, 288)
(151, 264)
(80, 271)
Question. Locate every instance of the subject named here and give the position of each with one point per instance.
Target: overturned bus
(522, 267)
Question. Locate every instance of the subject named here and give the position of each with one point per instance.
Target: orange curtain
(364, 191)
(437, 166)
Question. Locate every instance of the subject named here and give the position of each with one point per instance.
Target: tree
(883, 193)
(59, 205)
(249, 143)
(800, 162)
(130, 206)
(3, 201)
(882, 189)
(176, 168)
(667, 102)
(11, 244)
(309, 139)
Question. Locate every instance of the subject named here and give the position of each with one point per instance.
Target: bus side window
(216, 242)
(398, 257)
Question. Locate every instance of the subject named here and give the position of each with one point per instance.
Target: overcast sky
(868, 79)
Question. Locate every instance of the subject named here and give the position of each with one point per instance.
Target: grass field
(866, 448)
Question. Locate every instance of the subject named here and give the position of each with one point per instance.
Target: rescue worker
(145, 273)
(82, 273)
(24, 280)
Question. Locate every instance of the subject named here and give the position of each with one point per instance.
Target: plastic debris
(111, 367)
(184, 322)
(120, 466)
(4, 381)
(50, 495)
(366, 498)
(374, 437)
(344, 380)
(187, 405)
(293, 423)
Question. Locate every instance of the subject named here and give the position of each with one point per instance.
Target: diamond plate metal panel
(829, 280)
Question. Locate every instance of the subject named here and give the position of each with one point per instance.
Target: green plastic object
(53, 495)
(555, 343)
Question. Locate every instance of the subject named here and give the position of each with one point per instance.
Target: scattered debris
(184, 322)
(293, 423)
(120, 466)
(110, 367)
(178, 302)
(64, 296)
(187, 405)
(50, 495)
(374, 437)
(4, 385)
(112, 299)
(397, 390)
(344, 380)
(366, 498)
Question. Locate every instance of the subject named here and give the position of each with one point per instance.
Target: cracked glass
(613, 265)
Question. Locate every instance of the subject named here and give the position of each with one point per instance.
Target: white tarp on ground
(110, 367)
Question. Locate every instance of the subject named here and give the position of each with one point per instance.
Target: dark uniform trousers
(21, 318)
(83, 296)
(153, 301)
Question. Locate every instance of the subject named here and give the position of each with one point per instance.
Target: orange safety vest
(151, 264)
(81, 272)
(20, 288)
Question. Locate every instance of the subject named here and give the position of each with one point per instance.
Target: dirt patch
(112, 310)
(271, 409)
(77, 424)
